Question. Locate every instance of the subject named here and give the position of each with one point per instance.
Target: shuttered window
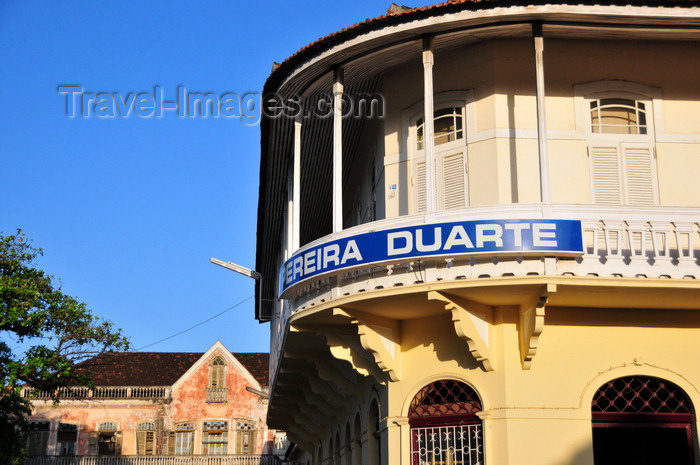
(454, 181)
(38, 438)
(181, 441)
(109, 440)
(450, 161)
(621, 150)
(217, 378)
(419, 187)
(215, 438)
(245, 438)
(145, 439)
(66, 438)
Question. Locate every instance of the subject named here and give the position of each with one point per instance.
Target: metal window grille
(447, 445)
(640, 394)
(443, 398)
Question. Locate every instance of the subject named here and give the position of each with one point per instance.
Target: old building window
(217, 390)
(642, 419)
(109, 438)
(216, 374)
(444, 425)
(66, 438)
(215, 438)
(145, 438)
(181, 441)
(450, 157)
(38, 437)
(245, 438)
(618, 118)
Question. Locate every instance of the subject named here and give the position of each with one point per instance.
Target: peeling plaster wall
(187, 404)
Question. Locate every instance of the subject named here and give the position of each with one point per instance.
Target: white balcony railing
(217, 395)
(102, 392)
(156, 460)
(619, 241)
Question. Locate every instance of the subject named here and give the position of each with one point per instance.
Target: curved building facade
(479, 239)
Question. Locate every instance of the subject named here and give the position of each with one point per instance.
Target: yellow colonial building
(479, 239)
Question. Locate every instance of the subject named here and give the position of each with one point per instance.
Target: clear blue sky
(129, 210)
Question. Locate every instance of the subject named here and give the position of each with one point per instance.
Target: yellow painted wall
(504, 101)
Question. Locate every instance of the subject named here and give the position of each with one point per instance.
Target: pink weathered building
(161, 403)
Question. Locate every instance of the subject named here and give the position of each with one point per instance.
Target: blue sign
(555, 237)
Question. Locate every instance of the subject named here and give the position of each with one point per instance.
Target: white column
(428, 127)
(296, 189)
(338, 151)
(541, 116)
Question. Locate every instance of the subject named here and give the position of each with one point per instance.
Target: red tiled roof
(158, 368)
(257, 364)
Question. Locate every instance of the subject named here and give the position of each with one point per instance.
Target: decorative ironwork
(640, 394)
(447, 445)
(444, 398)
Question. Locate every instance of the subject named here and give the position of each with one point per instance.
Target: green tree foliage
(43, 334)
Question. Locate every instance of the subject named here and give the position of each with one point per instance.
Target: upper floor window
(215, 438)
(618, 116)
(145, 438)
(217, 372)
(109, 439)
(245, 438)
(66, 438)
(38, 437)
(450, 163)
(217, 391)
(448, 126)
(181, 441)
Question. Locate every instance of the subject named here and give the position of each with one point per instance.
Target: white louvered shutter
(605, 166)
(454, 181)
(639, 183)
(419, 187)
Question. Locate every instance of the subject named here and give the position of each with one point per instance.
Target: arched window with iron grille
(445, 429)
(642, 420)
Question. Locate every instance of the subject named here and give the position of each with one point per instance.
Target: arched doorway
(642, 420)
(444, 427)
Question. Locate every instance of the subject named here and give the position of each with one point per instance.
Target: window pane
(184, 440)
(618, 116)
(447, 127)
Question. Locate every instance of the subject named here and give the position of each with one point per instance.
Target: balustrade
(156, 460)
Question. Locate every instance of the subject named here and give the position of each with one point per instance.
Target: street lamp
(237, 268)
(245, 272)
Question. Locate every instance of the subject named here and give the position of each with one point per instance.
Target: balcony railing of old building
(217, 395)
(102, 392)
(618, 241)
(156, 460)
